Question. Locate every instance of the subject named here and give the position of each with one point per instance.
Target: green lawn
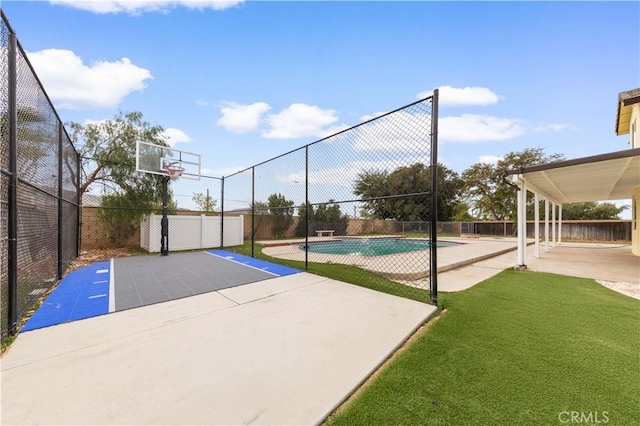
(518, 349)
(348, 274)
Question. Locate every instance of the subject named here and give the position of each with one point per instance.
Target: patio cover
(602, 177)
(610, 176)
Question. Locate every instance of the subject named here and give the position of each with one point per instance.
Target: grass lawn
(345, 273)
(517, 349)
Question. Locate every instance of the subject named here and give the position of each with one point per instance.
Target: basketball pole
(164, 223)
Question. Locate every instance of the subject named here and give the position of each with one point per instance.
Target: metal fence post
(79, 205)
(60, 224)
(306, 210)
(12, 114)
(253, 207)
(434, 199)
(222, 213)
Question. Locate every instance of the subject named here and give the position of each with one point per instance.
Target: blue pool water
(372, 246)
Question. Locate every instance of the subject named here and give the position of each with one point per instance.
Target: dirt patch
(90, 256)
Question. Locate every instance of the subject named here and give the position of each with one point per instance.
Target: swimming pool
(372, 246)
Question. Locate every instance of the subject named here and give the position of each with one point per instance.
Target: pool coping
(408, 266)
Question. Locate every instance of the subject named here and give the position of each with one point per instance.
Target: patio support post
(560, 224)
(536, 212)
(546, 226)
(522, 222)
(553, 225)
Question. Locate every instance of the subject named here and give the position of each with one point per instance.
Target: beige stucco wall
(635, 226)
(634, 139)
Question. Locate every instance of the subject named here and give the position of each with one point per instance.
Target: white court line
(101, 282)
(97, 295)
(242, 263)
(102, 271)
(112, 291)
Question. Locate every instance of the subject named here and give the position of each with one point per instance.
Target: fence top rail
(490, 222)
(334, 135)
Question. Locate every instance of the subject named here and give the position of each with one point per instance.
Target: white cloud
(489, 159)
(89, 121)
(136, 7)
(71, 84)
(202, 103)
(471, 128)
(239, 118)
(346, 174)
(400, 131)
(454, 96)
(300, 120)
(372, 116)
(175, 136)
(545, 127)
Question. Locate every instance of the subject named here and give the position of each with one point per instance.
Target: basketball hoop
(173, 171)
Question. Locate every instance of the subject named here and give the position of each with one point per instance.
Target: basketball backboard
(155, 159)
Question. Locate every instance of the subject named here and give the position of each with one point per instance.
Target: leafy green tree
(591, 211)
(324, 216)
(261, 211)
(489, 197)
(461, 213)
(281, 212)
(372, 184)
(301, 226)
(107, 151)
(206, 202)
(260, 207)
(329, 216)
(405, 181)
(36, 138)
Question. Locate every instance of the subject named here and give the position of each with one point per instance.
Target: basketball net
(174, 171)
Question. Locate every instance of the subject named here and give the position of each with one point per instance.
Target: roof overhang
(626, 100)
(603, 177)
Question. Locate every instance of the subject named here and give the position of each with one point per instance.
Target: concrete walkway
(608, 262)
(281, 351)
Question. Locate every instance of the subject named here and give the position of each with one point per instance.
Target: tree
(461, 213)
(301, 226)
(408, 180)
(205, 202)
(591, 211)
(107, 151)
(325, 216)
(37, 140)
(485, 189)
(281, 212)
(329, 216)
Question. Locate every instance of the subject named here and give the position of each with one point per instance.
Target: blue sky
(240, 82)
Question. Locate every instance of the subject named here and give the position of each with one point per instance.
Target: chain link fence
(341, 201)
(39, 188)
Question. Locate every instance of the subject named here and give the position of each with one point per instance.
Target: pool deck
(402, 266)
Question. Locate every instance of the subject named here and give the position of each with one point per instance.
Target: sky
(241, 82)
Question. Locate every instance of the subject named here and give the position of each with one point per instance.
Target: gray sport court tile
(145, 280)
